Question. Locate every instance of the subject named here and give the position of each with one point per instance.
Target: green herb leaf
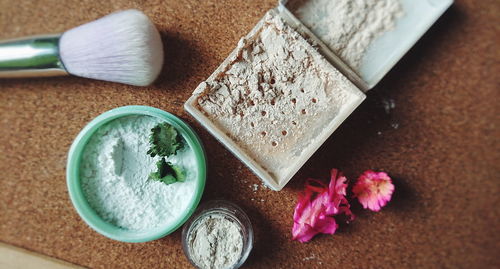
(168, 173)
(164, 140)
(179, 173)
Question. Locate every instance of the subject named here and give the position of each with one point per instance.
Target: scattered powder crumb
(388, 104)
(379, 133)
(312, 257)
(216, 242)
(395, 125)
(114, 172)
(348, 27)
(255, 187)
(275, 97)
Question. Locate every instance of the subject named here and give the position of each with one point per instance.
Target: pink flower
(373, 189)
(317, 206)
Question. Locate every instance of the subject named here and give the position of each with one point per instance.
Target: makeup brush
(122, 47)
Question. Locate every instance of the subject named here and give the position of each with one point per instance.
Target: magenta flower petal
(373, 189)
(318, 205)
(326, 225)
(337, 192)
(303, 232)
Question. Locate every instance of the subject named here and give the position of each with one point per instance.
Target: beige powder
(216, 242)
(276, 97)
(348, 27)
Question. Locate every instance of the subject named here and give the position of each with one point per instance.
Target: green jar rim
(88, 214)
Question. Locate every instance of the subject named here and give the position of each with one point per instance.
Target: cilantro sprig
(166, 141)
(168, 173)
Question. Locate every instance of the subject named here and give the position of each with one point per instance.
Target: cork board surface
(440, 143)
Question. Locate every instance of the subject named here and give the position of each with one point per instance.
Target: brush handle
(31, 57)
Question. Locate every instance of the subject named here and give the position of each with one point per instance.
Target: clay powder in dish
(114, 173)
(348, 27)
(276, 97)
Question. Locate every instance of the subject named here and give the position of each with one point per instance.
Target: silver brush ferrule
(36, 56)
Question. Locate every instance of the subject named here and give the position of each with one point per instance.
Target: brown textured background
(444, 155)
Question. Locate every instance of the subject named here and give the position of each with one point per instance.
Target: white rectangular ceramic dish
(275, 124)
(384, 52)
(282, 92)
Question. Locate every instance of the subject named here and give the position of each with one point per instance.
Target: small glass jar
(224, 209)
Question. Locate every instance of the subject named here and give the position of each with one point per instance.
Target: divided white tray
(379, 59)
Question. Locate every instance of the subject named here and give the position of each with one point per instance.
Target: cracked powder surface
(276, 96)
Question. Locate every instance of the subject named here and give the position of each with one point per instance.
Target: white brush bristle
(122, 47)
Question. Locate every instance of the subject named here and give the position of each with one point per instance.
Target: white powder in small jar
(348, 27)
(114, 175)
(215, 242)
